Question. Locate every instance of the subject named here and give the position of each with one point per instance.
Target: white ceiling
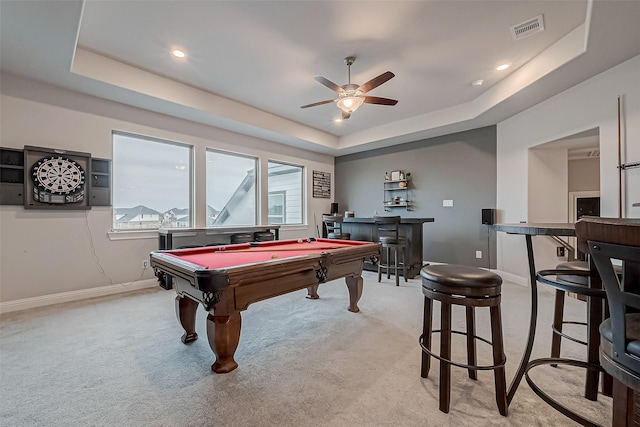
(251, 64)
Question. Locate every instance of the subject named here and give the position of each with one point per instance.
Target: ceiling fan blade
(376, 81)
(328, 101)
(381, 101)
(328, 83)
(345, 115)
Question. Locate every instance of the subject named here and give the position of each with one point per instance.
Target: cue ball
(274, 256)
(299, 240)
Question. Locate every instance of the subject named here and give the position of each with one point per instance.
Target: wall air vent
(527, 28)
(583, 153)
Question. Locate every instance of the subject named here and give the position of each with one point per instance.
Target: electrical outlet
(560, 251)
(447, 203)
(478, 254)
(145, 264)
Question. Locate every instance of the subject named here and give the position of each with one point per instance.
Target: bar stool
(333, 223)
(581, 279)
(470, 287)
(391, 240)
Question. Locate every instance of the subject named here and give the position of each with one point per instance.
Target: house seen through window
(231, 189)
(151, 183)
(286, 193)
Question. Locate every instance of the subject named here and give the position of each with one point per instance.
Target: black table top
(538, 229)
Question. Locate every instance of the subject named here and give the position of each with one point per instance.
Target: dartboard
(58, 175)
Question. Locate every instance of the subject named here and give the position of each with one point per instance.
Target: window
(151, 183)
(285, 193)
(277, 207)
(231, 189)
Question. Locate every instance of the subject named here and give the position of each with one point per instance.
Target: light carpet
(119, 361)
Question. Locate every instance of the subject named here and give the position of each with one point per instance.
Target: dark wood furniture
(470, 287)
(333, 225)
(226, 279)
(364, 229)
(194, 237)
(393, 243)
(558, 312)
(594, 318)
(607, 239)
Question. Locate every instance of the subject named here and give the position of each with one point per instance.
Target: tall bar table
(546, 229)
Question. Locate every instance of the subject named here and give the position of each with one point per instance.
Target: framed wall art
(321, 185)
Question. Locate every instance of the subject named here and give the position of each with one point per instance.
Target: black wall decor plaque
(56, 179)
(321, 185)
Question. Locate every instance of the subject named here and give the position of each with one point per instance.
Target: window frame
(190, 169)
(283, 196)
(303, 193)
(256, 195)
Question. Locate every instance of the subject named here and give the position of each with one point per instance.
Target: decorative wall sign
(321, 185)
(57, 179)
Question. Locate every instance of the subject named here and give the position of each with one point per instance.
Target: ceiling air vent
(527, 28)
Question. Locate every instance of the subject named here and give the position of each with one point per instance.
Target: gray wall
(459, 167)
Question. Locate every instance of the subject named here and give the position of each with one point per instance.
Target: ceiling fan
(351, 96)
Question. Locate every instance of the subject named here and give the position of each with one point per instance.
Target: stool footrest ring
(569, 337)
(551, 401)
(462, 365)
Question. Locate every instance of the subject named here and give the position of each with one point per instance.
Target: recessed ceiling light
(338, 120)
(178, 53)
(502, 67)
(477, 83)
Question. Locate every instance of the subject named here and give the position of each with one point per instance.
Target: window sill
(132, 235)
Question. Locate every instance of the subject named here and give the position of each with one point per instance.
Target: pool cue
(275, 250)
(315, 221)
(619, 165)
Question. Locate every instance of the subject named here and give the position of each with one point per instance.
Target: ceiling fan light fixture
(349, 104)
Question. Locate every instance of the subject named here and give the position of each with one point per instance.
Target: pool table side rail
(207, 280)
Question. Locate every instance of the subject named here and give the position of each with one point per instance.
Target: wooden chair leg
(445, 352)
(558, 316)
(404, 265)
(380, 264)
(594, 318)
(607, 380)
(498, 354)
(426, 337)
(623, 405)
(395, 269)
(471, 342)
(388, 263)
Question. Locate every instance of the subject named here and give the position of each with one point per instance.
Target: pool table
(226, 279)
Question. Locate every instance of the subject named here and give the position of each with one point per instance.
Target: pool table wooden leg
(186, 312)
(224, 334)
(354, 284)
(312, 292)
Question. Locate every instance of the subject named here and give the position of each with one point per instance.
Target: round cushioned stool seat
(633, 334)
(574, 266)
(339, 236)
(387, 240)
(461, 280)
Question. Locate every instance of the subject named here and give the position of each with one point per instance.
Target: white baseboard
(41, 301)
(513, 278)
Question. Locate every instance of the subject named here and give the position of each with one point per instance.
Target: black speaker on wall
(489, 216)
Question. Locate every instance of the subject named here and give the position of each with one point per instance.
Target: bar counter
(365, 229)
